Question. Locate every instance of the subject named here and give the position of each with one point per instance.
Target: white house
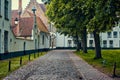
(110, 39)
(22, 36)
(5, 18)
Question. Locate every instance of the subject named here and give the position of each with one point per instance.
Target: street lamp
(16, 21)
(33, 9)
(34, 28)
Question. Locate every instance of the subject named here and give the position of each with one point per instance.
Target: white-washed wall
(62, 41)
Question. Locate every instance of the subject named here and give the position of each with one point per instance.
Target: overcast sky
(24, 3)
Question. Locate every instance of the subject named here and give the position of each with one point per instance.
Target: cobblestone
(56, 65)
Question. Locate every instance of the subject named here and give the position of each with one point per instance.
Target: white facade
(63, 41)
(5, 18)
(110, 39)
(9, 42)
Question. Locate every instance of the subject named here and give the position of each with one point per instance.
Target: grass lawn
(109, 57)
(15, 63)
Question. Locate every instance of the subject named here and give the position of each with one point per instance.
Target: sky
(24, 3)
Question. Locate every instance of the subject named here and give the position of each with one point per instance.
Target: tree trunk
(97, 45)
(78, 43)
(84, 41)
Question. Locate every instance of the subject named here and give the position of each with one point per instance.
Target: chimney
(20, 6)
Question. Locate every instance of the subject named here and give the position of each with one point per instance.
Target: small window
(6, 41)
(91, 43)
(6, 9)
(119, 34)
(115, 34)
(104, 43)
(43, 38)
(111, 43)
(69, 43)
(109, 34)
(0, 7)
(0, 41)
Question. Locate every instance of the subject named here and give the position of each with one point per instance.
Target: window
(104, 43)
(91, 43)
(6, 41)
(35, 43)
(6, 9)
(0, 7)
(43, 40)
(91, 35)
(69, 43)
(111, 43)
(0, 41)
(119, 34)
(115, 34)
(119, 43)
(109, 34)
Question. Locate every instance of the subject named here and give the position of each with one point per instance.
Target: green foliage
(101, 14)
(67, 15)
(97, 15)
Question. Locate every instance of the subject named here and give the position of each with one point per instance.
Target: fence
(20, 53)
(8, 65)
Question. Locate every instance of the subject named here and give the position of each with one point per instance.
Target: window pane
(43, 40)
(6, 41)
(0, 7)
(104, 43)
(91, 43)
(115, 34)
(6, 9)
(111, 43)
(69, 43)
(109, 34)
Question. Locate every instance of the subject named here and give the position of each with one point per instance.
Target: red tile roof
(40, 24)
(42, 7)
(26, 25)
(15, 13)
(13, 26)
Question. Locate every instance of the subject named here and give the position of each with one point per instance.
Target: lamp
(33, 9)
(16, 21)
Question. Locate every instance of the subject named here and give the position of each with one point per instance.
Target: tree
(94, 15)
(102, 17)
(68, 14)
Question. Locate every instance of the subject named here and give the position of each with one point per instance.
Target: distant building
(110, 39)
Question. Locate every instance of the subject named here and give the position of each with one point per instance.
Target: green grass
(15, 63)
(109, 56)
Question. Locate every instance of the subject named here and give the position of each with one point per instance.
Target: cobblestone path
(56, 65)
